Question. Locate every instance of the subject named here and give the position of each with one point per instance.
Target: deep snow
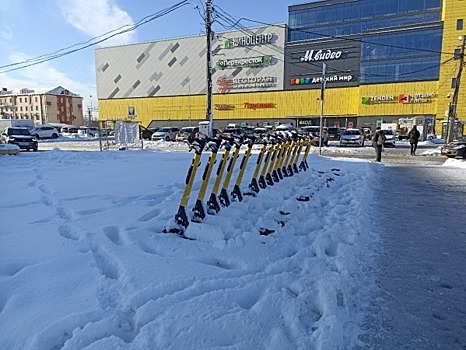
(84, 262)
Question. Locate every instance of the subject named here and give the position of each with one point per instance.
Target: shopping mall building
(384, 61)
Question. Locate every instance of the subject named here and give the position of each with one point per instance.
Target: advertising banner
(304, 61)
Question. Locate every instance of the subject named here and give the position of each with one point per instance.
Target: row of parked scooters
(278, 159)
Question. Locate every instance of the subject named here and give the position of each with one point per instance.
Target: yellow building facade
(386, 101)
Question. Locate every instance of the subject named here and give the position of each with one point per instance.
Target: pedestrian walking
(378, 142)
(413, 137)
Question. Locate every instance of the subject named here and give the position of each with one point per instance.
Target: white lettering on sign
(250, 40)
(321, 55)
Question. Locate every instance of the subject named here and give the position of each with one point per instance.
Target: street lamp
(90, 110)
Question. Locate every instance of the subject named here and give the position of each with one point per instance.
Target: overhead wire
(93, 41)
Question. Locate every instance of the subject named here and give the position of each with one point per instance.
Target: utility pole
(452, 108)
(322, 95)
(208, 27)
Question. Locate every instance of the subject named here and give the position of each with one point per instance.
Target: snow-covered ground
(84, 262)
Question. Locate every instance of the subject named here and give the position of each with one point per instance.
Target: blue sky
(33, 28)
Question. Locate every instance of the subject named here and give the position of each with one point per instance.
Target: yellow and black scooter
(303, 165)
(254, 186)
(288, 156)
(198, 210)
(298, 153)
(268, 155)
(268, 176)
(212, 203)
(181, 218)
(223, 197)
(236, 193)
(285, 145)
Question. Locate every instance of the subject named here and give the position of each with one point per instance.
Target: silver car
(352, 137)
(390, 138)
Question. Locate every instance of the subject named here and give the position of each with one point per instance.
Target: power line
(93, 41)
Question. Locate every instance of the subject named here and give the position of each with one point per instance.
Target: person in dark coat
(378, 141)
(413, 137)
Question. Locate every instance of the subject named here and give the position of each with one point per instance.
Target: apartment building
(57, 105)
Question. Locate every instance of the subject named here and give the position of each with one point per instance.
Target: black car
(333, 133)
(146, 133)
(21, 137)
(455, 149)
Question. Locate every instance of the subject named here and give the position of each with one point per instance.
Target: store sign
(318, 80)
(370, 100)
(321, 55)
(403, 98)
(225, 84)
(245, 62)
(305, 122)
(416, 98)
(249, 105)
(224, 107)
(251, 40)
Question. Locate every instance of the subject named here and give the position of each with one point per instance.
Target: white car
(390, 138)
(45, 132)
(167, 133)
(352, 137)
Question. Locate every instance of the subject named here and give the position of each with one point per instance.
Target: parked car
(352, 137)
(167, 133)
(367, 133)
(314, 131)
(45, 132)
(333, 133)
(146, 133)
(21, 137)
(456, 148)
(69, 130)
(186, 133)
(229, 131)
(90, 131)
(390, 138)
(260, 134)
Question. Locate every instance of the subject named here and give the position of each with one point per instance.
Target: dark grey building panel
(172, 62)
(175, 47)
(153, 90)
(113, 94)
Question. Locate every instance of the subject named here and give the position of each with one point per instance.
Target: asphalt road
(420, 270)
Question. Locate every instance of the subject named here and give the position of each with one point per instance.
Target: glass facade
(357, 17)
(395, 56)
(388, 57)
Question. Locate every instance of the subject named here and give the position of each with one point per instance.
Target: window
(457, 54)
(459, 24)
(453, 83)
(20, 100)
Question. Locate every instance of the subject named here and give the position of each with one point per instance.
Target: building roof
(58, 90)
